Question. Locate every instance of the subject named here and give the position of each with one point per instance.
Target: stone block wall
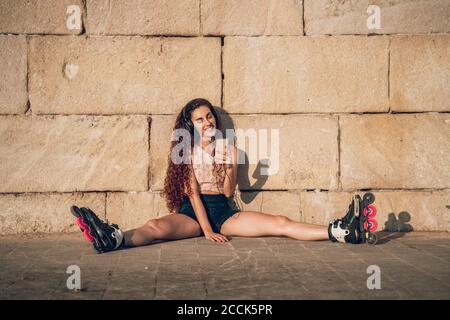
(359, 91)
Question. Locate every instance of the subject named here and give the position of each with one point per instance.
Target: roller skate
(367, 212)
(104, 237)
(358, 225)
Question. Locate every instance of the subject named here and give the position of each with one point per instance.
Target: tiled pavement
(413, 266)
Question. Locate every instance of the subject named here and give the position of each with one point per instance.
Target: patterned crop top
(203, 170)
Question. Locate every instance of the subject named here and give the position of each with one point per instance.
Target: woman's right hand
(215, 237)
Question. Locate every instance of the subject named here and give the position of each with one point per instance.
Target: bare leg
(171, 227)
(257, 224)
(305, 231)
(139, 237)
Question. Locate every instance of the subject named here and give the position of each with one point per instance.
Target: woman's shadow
(243, 181)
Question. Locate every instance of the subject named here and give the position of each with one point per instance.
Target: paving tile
(413, 266)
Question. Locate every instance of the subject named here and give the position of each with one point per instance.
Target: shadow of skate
(398, 225)
(395, 228)
(386, 236)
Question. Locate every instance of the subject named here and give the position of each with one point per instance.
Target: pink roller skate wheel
(372, 211)
(81, 224)
(87, 235)
(375, 225)
(371, 225)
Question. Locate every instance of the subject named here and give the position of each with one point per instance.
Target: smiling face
(204, 122)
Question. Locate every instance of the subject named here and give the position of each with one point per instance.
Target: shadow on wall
(243, 182)
(395, 228)
(398, 225)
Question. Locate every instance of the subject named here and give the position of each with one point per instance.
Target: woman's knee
(156, 228)
(152, 223)
(281, 223)
(167, 228)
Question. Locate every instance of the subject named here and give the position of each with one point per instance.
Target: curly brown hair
(177, 183)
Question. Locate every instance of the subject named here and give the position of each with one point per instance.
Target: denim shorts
(217, 209)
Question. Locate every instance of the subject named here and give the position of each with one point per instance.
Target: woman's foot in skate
(104, 237)
(348, 228)
(340, 231)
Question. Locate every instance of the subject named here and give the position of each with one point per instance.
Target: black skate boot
(348, 228)
(358, 225)
(104, 237)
